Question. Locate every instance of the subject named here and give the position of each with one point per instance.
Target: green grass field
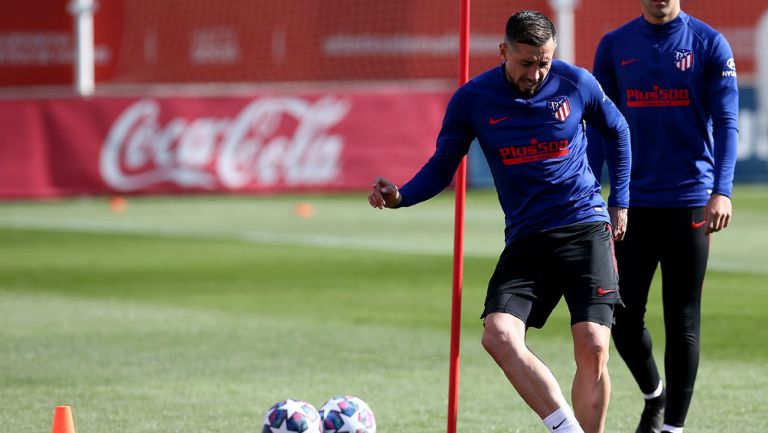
(196, 314)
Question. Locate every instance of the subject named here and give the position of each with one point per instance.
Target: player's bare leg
(591, 385)
(504, 339)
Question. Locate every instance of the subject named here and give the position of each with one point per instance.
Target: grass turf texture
(198, 313)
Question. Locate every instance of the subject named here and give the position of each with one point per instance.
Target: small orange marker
(117, 204)
(62, 420)
(305, 210)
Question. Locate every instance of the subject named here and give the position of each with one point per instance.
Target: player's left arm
(603, 71)
(723, 97)
(601, 113)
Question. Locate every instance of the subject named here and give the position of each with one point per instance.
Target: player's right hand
(618, 222)
(718, 212)
(384, 194)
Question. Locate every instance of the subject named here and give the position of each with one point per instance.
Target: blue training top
(535, 147)
(675, 83)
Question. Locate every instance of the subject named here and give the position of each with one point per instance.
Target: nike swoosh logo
(626, 62)
(697, 225)
(555, 427)
(603, 292)
(493, 121)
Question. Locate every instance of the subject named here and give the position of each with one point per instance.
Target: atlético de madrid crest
(683, 59)
(560, 107)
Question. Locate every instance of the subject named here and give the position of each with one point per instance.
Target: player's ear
(503, 51)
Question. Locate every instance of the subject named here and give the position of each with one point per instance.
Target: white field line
(253, 236)
(293, 239)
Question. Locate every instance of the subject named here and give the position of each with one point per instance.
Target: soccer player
(674, 79)
(528, 116)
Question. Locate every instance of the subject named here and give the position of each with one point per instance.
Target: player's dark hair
(530, 27)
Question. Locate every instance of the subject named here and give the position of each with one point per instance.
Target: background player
(674, 79)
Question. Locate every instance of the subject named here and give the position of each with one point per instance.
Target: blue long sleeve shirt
(676, 85)
(535, 147)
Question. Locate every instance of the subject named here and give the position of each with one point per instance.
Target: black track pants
(675, 239)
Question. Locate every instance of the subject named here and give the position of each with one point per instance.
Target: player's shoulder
(575, 74)
(701, 29)
(622, 32)
(489, 79)
(478, 86)
(710, 41)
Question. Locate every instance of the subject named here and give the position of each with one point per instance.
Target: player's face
(527, 65)
(660, 11)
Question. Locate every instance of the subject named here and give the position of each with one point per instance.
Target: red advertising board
(194, 41)
(37, 41)
(250, 144)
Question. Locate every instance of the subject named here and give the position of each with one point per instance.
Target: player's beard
(522, 85)
(528, 87)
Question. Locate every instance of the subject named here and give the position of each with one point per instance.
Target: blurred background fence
(301, 95)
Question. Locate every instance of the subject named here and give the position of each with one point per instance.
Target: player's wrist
(398, 200)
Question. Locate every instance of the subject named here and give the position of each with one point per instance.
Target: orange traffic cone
(62, 420)
(117, 204)
(305, 210)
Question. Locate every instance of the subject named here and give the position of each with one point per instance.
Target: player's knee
(683, 339)
(492, 339)
(496, 340)
(592, 354)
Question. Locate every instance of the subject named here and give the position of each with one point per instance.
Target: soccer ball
(347, 414)
(292, 416)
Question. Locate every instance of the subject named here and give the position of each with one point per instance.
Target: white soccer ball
(347, 414)
(292, 416)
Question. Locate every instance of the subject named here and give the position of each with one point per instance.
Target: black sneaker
(652, 418)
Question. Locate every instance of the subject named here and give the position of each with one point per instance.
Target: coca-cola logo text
(271, 141)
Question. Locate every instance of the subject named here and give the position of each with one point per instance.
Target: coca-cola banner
(262, 143)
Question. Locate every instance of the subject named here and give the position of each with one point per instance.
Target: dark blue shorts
(576, 262)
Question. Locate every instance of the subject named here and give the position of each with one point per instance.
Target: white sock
(656, 393)
(562, 421)
(672, 429)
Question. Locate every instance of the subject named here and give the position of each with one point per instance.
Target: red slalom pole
(458, 237)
